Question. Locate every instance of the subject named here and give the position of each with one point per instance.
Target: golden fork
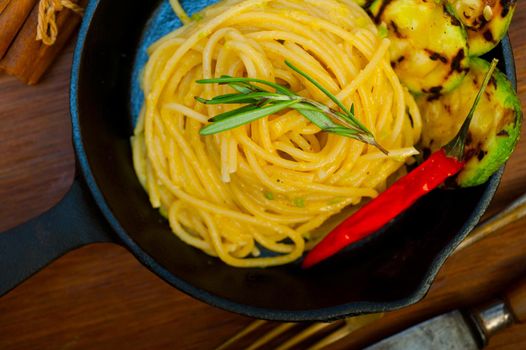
(285, 336)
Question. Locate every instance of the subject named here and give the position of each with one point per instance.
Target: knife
(462, 330)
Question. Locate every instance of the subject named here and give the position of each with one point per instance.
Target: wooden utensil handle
(516, 299)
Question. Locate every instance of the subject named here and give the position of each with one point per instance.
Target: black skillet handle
(74, 222)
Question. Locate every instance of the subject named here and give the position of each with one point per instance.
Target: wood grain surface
(100, 297)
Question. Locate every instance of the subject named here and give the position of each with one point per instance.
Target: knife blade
(448, 331)
(461, 330)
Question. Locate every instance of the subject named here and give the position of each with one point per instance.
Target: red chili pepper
(401, 195)
(378, 212)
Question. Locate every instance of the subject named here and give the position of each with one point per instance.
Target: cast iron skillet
(106, 203)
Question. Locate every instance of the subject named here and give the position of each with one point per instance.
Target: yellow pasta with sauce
(256, 195)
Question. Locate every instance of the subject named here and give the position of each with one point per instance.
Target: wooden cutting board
(101, 297)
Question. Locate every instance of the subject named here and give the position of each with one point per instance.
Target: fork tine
(268, 337)
(511, 213)
(243, 333)
(303, 335)
(338, 334)
(352, 324)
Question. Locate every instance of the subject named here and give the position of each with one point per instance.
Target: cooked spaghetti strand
(257, 195)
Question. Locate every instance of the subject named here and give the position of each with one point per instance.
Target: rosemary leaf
(229, 80)
(233, 113)
(343, 119)
(319, 86)
(245, 118)
(342, 131)
(246, 98)
(226, 95)
(350, 113)
(306, 107)
(348, 117)
(200, 99)
(317, 118)
(242, 88)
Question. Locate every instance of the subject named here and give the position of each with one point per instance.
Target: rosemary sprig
(260, 103)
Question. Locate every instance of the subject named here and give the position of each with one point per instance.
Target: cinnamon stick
(3, 5)
(13, 14)
(28, 58)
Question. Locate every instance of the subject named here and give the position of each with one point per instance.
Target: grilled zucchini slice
(494, 130)
(429, 49)
(486, 21)
(362, 3)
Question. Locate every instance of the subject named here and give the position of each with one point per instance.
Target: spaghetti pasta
(256, 195)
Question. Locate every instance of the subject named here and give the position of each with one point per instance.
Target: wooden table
(101, 297)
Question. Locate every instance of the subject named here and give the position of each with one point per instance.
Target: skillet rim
(321, 314)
